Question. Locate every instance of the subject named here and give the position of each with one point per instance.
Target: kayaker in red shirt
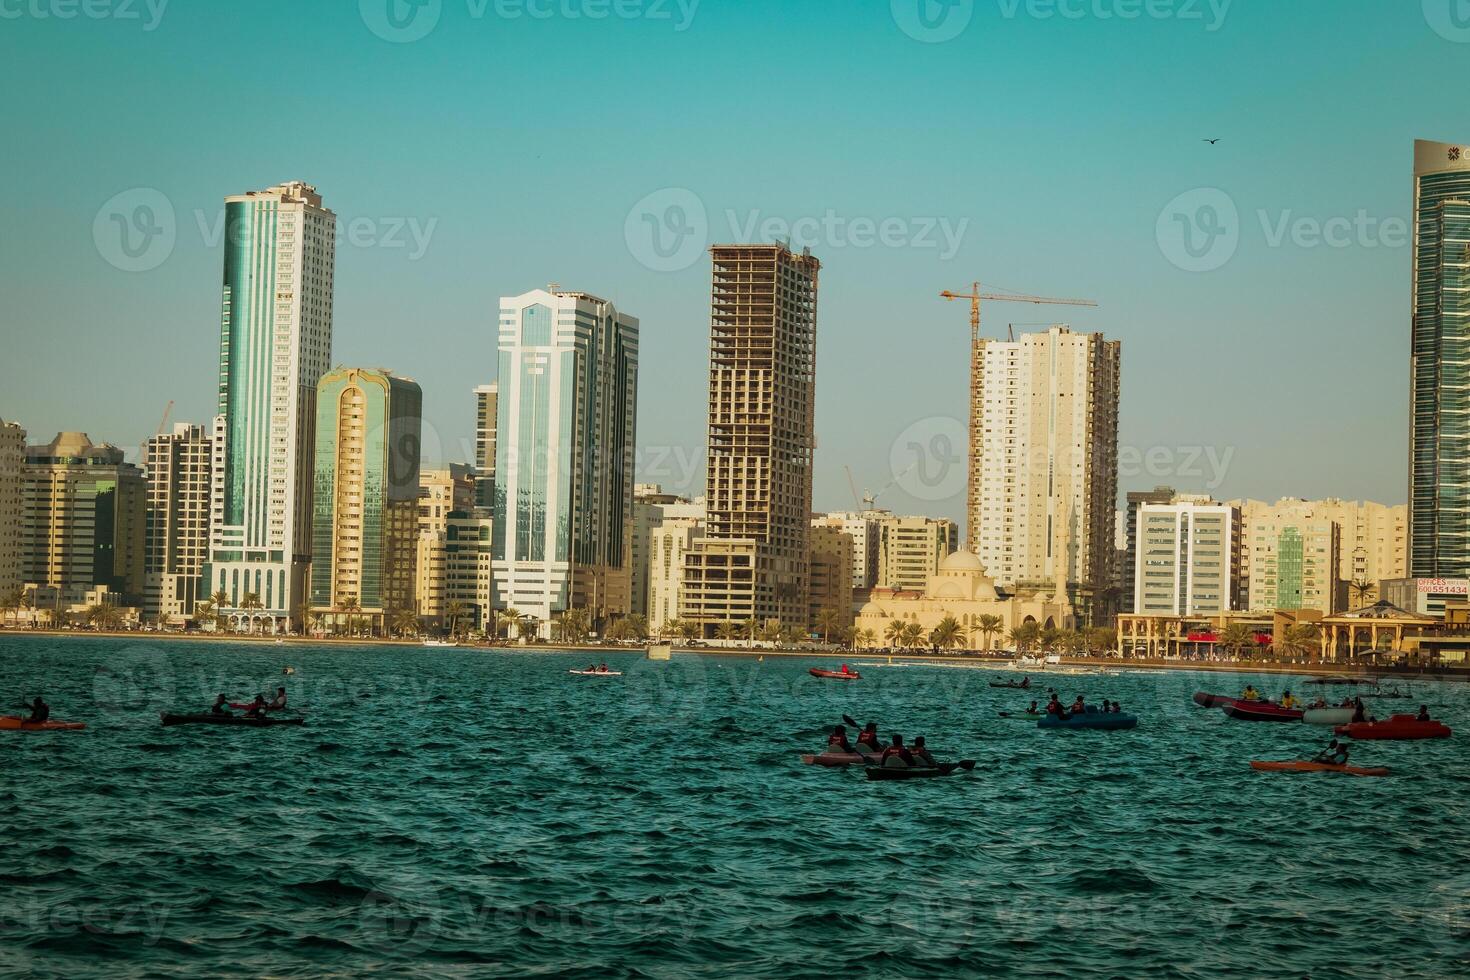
(921, 754)
(837, 741)
(256, 708)
(897, 751)
(845, 670)
(868, 738)
(1054, 707)
(1078, 707)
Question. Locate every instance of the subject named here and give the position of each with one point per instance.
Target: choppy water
(462, 813)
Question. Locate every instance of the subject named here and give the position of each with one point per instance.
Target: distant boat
(441, 643)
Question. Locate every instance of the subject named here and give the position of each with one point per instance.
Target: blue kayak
(1091, 718)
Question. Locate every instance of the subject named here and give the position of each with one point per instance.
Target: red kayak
(835, 675)
(1401, 727)
(14, 723)
(1260, 711)
(834, 759)
(1211, 700)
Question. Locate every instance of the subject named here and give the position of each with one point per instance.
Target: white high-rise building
(178, 468)
(275, 345)
(1044, 461)
(1189, 558)
(568, 374)
(865, 530)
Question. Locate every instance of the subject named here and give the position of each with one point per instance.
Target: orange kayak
(14, 723)
(1305, 766)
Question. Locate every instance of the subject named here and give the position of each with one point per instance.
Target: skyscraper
(83, 520)
(369, 425)
(12, 459)
(487, 400)
(568, 368)
(753, 562)
(1439, 364)
(441, 494)
(176, 543)
(275, 345)
(1045, 442)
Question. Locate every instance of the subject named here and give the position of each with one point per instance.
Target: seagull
(1212, 142)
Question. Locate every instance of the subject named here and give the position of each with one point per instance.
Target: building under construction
(754, 561)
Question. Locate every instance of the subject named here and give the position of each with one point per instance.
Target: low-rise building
(1188, 558)
(831, 577)
(911, 549)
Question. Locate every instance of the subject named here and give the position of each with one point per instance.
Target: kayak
(1402, 727)
(596, 673)
(1090, 719)
(1211, 700)
(1306, 766)
(1020, 715)
(1013, 684)
(835, 675)
(169, 719)
(1327, 716)
(1260, 711)
(914, 772)
(835, 759)
(14, 723)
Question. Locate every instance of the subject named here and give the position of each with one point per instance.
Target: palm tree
(1362, 588)
(771, 631)
(507, 619)
(529, 626)
(12, 601)
(893, 632)
(219, 599)
(863, 638)
(1023, 635)
(690, 630)
(791, 636)
(913, 635)
(1050, 636)
(1237, 637)
(1101, 639)
(988, 626)
(202, 610)
(249, 602)
(349, 605)
(572, 625)
(727, 630)
(637, 626)
(752, 629)
(403, 620)
(947, 635)
(1298, 640)
(828, 620)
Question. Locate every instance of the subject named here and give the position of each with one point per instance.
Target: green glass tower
(1439, 401)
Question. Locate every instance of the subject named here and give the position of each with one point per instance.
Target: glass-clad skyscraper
(275, 344)
(365, 494)
(565, 428)
(1439, 401)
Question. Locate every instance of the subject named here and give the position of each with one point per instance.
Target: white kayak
(596, 673)
(1327, 716)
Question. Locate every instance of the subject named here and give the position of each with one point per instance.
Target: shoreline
(973, 660)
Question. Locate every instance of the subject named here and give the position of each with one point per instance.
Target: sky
(479, 148)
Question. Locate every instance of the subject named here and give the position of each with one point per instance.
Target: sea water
(463, 812)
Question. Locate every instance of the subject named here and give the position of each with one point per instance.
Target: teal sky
(519, 148)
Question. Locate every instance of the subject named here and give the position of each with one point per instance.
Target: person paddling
(921, 754)
(220, 706)
(1054, 707)
(1423, 713)
(40, 711)
(1287, 701)
(837, 741)
(1026, 681)
(1336, 754)
(279, 702)
(1359, 712)
(897, 751)
(867, 741)
(1033, 710)
(256, 708)
(1250, 693)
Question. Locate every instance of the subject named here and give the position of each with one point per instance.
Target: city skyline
(419, 244)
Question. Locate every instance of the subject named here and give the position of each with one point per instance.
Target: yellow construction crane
(975, 296)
